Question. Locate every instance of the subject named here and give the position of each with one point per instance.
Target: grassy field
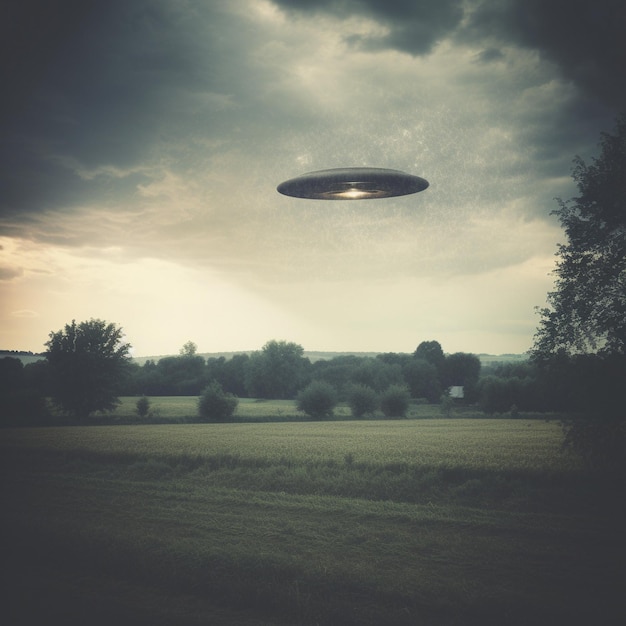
(181, 408)
(442, 521)
(185, 407)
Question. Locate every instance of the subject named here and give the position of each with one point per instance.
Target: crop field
(420, 522)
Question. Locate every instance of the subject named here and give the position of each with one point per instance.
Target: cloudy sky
(143, 140)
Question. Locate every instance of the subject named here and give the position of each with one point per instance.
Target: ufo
(352, 183)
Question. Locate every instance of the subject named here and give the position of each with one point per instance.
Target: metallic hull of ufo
(353, 183)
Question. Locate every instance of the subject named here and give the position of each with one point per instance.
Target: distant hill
(490, 359)
(312, 356)
(24, 356)
(485, 359)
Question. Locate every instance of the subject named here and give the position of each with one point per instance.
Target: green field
(185, 407)
(439, 521)
(168, 409)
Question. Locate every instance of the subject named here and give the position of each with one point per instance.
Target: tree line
(279, 370)
(87, 367)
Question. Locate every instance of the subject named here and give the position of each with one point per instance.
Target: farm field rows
(377, 522)
(481, 444)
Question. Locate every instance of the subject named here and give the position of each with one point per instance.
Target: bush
(317, 400)
(362, 400)
(143, 406)
(394, 402)
(216, 405)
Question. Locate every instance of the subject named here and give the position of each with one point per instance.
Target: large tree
(587, 309)
(432, 352)
(278, 370)
(580, 344)
(87, 363)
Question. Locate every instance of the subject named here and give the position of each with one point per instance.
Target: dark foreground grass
(97, 531)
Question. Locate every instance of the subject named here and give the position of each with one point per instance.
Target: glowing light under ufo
(352, 183)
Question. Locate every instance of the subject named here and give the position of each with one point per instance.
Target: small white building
(456, 391)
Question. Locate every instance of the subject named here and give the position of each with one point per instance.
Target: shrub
(216, 405)
(143, 406)
(394, 402)
(362, 400)
(317, 400)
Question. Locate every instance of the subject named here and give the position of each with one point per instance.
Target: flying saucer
(352, 183)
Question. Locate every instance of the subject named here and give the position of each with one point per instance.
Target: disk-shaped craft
(352, 183)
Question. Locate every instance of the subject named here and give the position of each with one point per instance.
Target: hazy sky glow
(143, 141)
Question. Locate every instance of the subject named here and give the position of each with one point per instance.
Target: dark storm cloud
(89, 84)
(585, 38)
(415, 27)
